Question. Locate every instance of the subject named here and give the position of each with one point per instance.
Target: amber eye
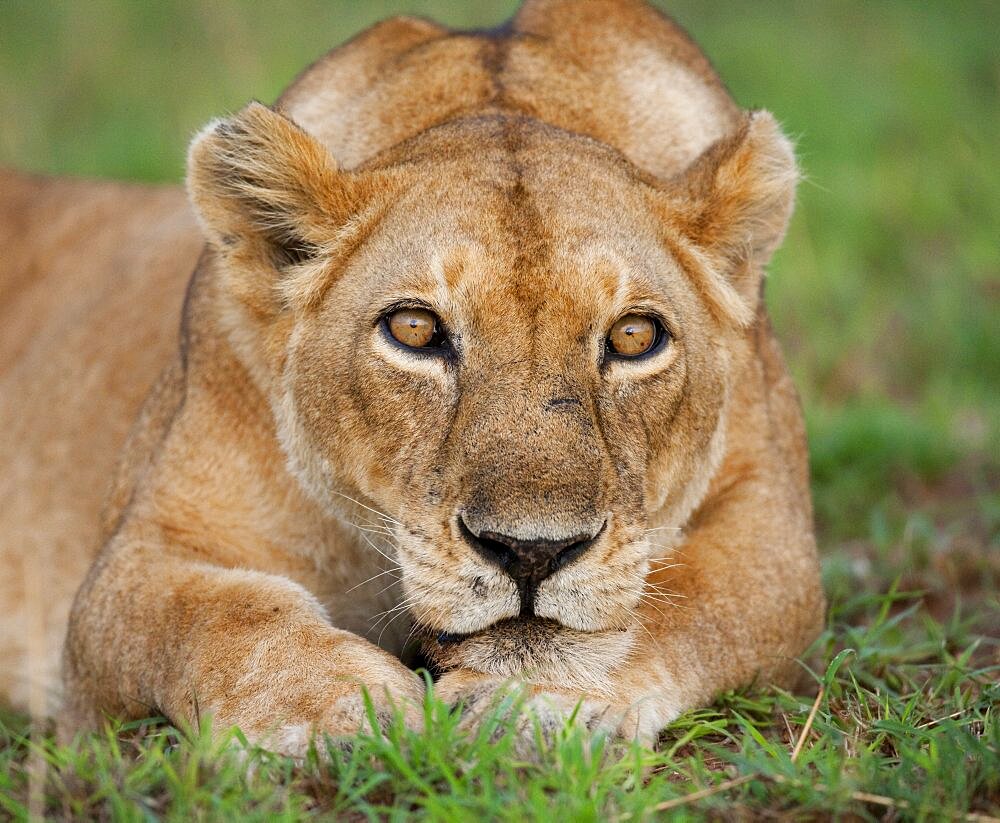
(415, 327)
(633, 335)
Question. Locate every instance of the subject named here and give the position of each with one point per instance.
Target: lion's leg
(751, 601)
(154, 631)
(736, 603)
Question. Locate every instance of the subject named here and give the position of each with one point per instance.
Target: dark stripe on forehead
(520, 220)
(522, 226)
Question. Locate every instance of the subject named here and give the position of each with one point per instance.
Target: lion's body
(227, 560)
(91, 286)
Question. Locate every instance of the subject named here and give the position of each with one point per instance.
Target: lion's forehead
(514, 161)
(548, 225)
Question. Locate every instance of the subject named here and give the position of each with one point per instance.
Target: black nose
(528, 562)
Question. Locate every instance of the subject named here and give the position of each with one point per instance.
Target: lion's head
(506, 338)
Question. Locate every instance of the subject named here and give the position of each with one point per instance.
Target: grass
(904, 719)
(885, 296)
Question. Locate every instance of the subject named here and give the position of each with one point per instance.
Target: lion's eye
(415, 327)
(633, 335)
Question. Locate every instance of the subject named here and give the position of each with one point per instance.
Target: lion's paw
(345, 718)
(349, 709)
(537, 715)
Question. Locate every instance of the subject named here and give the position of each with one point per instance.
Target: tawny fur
(285, 507)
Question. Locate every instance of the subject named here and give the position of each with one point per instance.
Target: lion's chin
(536, 649)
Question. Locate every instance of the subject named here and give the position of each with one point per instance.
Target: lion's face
(457, 365)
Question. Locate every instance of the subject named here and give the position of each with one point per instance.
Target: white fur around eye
(625, 371)
(414, 362)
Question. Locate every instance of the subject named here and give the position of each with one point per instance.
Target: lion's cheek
(378, 433)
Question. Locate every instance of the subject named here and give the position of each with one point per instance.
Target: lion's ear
(733, 206)
(270, 199)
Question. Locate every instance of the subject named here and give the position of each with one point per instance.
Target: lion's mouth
(521, 629)
(510, 637)
(538, 648)
(509, 625)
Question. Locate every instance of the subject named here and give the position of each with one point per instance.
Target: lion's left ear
(733, 206)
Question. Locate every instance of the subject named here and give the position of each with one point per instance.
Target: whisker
(643, 579)
(395, 582)
(370, 543)
(656, 597)
(655, 605)
(374, 529)
(662, 562)
(665, 595)
(656, 608)
(391, 619)
(386, 626)
(657, 591)
(367, 522)
(655, 594)
(411, 633)
(642, 625)
(404, 604)
(652, 583)
(662, 567)
(382, 515)
(374, 577)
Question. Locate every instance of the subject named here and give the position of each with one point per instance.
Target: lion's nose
(529, 561)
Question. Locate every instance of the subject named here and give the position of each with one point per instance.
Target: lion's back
(91, 281)
(614, 70)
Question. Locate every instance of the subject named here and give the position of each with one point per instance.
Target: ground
(885, 296)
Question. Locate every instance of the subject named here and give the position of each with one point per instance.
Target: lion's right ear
(271, 201)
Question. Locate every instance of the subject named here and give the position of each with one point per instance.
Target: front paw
(344, 717)
(292, 713)
(536, 714)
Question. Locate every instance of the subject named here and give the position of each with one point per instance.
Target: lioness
(474, 354)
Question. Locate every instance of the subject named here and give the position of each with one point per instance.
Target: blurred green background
(886, 291)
